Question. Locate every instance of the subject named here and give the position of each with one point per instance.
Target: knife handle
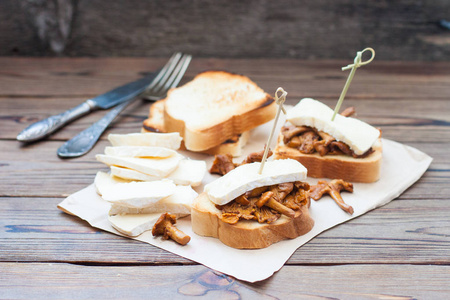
(83, 142)
(41, 129)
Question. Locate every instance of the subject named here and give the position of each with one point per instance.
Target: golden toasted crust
(155, 120)
(335, 166)
(205, 219)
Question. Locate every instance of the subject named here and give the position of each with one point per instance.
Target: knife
(41, 129)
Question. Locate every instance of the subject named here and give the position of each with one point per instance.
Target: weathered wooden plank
(62, 77)
(397, 118)
(33, 229)
(49, 281)
(70, 76)
(400, 30)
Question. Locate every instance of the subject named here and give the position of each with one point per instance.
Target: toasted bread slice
(335, 166)
(214, 107)
(155, 120)
(155, 123)
(205, 219)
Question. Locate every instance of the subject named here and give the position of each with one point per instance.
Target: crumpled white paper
(401, 167)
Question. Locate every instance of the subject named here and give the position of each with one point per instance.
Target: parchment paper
(401, 167)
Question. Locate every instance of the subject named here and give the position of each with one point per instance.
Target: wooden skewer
(356, 64)
(278, 100)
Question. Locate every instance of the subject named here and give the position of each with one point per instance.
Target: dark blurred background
(320, 29)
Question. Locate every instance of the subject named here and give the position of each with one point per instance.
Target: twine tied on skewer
(357, 62)
(279, 100)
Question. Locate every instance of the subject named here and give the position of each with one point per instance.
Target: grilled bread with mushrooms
(345, 148)
(248, 210)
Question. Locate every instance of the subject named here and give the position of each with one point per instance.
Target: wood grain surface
(391, 281)
(398, 251)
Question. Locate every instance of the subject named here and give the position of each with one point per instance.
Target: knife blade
(43, 128)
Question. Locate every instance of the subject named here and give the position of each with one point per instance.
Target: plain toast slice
(214, 107)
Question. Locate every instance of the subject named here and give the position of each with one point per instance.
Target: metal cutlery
(43, 128)
(169, 77)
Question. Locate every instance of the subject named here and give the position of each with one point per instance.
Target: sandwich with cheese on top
(345, 148)
(248, 210)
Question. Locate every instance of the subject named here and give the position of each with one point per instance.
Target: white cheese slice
(130, 174)
(357, 134)
(138, 194)
(159, 167)
(179, 202)
(135, 224)
(104, 181)
(139, 151)
(246, 177)
(168, 140)
(188, 172)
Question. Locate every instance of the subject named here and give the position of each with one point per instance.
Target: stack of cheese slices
(147, 177)
(213, 113)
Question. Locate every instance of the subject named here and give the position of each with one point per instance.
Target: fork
(168, 77)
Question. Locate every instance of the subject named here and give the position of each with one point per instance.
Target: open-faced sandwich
(248, 210)
(345, 148)
(213, 113)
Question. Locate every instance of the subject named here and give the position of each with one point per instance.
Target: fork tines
(169, 76)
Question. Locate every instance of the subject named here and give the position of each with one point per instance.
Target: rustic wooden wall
(398, 30)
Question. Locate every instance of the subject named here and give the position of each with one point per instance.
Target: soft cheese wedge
(167, 140)
(135, 224)
(188, 172)
(135, 194)
(126, 174)
(104, 182)
(134, 221)
(159, 167)
(140, 151)
(179, 202)
(246, 177)
(357, 134)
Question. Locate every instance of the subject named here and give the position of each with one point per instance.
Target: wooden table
(399, 251)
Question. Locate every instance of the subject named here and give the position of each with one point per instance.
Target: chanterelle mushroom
(333, 189)
(223, 163)
(267, 200)
(164, 226)
(255, 157)
(349, 111)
